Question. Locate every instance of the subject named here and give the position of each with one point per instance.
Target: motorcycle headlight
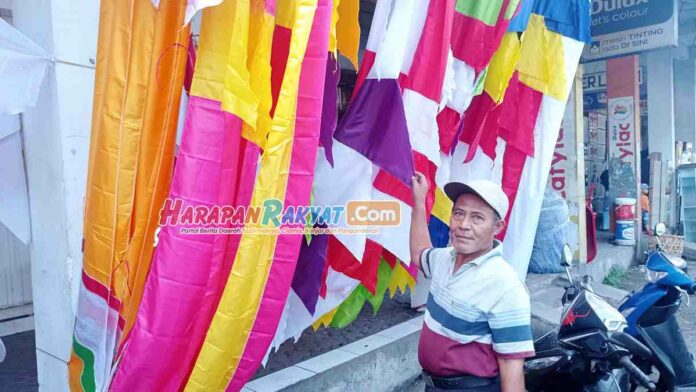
(612, 319)
(654, 276)
(676, 261)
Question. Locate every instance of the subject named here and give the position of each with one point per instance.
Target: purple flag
(310, 265)
(329, 111)
(375, 126)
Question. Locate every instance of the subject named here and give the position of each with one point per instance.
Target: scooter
(651, 318)
(588, 352)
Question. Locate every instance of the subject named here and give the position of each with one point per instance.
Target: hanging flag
(478, 28)
(541, 65)
(519, 22)
(408, 59)
(329, 111)
(306, 281)
(528, 119)
(142, 58)
(155, 160)
(186, 269)
(529, 195)
(568, 18)
(257, 288)
(502, 66)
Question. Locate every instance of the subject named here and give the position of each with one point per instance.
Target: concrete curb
(385, 361)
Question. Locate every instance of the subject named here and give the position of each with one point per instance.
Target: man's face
(473, 225)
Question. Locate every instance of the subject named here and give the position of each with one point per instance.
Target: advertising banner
(622, 130)
(621, 27)
(623, 127)
(563, 177)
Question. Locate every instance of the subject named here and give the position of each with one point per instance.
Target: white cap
(488, 191)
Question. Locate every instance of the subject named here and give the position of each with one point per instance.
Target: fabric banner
(258, 284)
(141, 62)
(447, 88)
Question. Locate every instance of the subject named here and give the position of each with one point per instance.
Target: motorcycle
(3, 352)
(650, 313)
(588, 352)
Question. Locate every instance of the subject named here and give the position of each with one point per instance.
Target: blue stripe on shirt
(520, 333)
(454, 324)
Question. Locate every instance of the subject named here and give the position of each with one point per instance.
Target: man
(477, 321)
(645, 207)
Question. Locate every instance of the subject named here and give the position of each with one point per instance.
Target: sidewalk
(18, 372)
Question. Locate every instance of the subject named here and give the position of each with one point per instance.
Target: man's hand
(419, 235)
(419, 188)
(511, 374)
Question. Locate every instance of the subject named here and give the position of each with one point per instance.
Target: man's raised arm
(420, 236)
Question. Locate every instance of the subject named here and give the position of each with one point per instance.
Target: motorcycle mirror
(586, 283)
(567, 256)
(660, 229)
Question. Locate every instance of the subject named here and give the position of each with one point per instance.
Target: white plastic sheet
(14, 203)
(23, 65)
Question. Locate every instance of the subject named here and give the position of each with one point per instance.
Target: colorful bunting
(454, 89)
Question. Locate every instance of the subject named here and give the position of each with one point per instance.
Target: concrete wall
(56, 142)
(685, 100)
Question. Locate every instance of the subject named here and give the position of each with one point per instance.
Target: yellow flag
(502, 66)
(541, 65)
(348, 30)
(325, 320)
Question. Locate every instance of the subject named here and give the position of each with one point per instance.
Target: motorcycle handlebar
(637, 373)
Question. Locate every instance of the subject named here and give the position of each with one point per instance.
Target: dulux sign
(621, 27)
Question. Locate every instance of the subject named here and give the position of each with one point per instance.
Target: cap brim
(455, 189)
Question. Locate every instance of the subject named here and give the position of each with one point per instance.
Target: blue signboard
(615, 16)
(621, 27)
(595, 100)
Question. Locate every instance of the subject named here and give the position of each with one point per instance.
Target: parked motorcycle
(651, 318)
(588, 352)
(2, 351)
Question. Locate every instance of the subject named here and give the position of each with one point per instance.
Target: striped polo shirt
(473, 316)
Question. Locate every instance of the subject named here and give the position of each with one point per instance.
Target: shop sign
(621, 27)
(594, 87)
(622, 129)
